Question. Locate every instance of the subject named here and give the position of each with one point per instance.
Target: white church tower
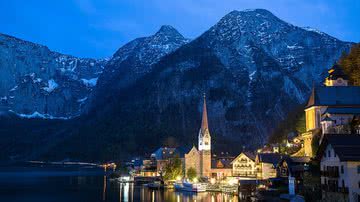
(204, 134)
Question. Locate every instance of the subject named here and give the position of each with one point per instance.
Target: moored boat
(193, 187)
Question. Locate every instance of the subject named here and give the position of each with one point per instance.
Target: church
(331, 109)
(200, 158)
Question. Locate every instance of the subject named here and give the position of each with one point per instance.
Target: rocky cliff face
(135, 59)
(38, 82)
(253, 66)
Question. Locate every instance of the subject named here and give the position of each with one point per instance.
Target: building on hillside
(293, 166)
(163, 155)
(201, 157)
(330, 108)
(339, 156)
(155, 165)
(243, 166)
(149, 167)
(266, 165)
(221, 167)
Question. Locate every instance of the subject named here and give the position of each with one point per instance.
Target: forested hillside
(351, 64)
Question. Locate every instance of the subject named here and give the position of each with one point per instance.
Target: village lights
(233, 181)
(212, 180)
(178, 178)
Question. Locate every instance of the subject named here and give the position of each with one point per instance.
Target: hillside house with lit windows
(339, 156)
(266, 165)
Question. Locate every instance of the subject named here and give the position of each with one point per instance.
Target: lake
(81, 183)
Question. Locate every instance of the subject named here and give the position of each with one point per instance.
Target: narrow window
(358, 169)
(329, 153)
(342, 169)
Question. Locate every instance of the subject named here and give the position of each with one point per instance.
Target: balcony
(240, 174)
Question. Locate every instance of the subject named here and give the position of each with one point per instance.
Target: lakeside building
(331, 108)
(221, 167)
(266, 165)
(339, 156)
(155, 165)
(243, 166)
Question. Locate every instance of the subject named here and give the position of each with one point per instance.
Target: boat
(155, 185)
(178, 186)
(193, 187)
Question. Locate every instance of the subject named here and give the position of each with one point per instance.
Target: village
(324, 164)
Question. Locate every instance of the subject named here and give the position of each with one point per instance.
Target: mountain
(38, 82)
(135, 59)
(253, 67)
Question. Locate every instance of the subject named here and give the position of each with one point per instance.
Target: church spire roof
(204, 122)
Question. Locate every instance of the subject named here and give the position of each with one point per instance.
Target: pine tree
(351, 64)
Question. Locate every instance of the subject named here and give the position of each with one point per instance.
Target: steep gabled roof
(335, 96)
(342, 110)
(273, 158)
(165, 153)
(220, 163)
(250, 155)
(346, 146)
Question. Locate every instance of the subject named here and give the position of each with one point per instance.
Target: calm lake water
(55, 183)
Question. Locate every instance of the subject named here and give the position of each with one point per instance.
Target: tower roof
(204, 122)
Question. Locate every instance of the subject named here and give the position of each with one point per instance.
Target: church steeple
(204, 122)
(204, 134)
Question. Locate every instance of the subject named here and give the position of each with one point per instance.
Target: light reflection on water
(48, 184)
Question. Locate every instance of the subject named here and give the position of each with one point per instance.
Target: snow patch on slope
(52, 85)
(39, 116)
(90, 82)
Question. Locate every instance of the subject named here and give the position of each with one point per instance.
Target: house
(331, 106)
(244, 166)
(293, 166)
(266, 165)
(149, 167)
(339, 156)
(159, 159)
(221, 167)
(163, 155)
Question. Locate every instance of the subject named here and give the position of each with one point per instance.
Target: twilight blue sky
(97, 28)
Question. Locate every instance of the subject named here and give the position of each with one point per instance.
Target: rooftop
(346, 146)
(335, 96)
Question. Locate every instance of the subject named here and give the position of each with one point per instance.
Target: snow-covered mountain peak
(169, 31)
